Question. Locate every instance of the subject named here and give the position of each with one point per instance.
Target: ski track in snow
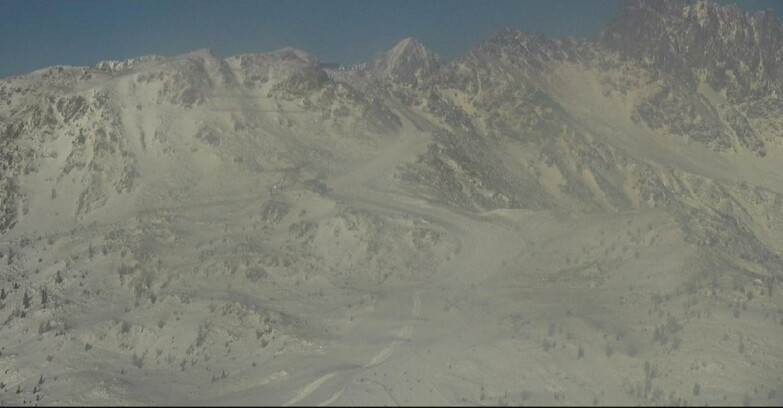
(307, 390)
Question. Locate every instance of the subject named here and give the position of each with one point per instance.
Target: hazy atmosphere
(391, 203)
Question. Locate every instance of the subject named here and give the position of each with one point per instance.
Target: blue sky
(37, 34)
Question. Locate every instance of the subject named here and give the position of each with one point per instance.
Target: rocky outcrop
(699, 40)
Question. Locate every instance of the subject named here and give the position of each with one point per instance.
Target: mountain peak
(408, 62)
(409, 42)
(121, 65)
(513, 44)
(684, 38)
(202, 52)
(293, 53)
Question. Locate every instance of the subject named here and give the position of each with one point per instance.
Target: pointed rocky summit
(409, 62)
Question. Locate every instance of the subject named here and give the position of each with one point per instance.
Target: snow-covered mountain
(547, 221)
(409, 63)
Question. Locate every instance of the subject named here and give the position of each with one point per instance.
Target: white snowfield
(540, 222)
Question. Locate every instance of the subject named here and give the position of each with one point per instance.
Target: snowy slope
(540, 221)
